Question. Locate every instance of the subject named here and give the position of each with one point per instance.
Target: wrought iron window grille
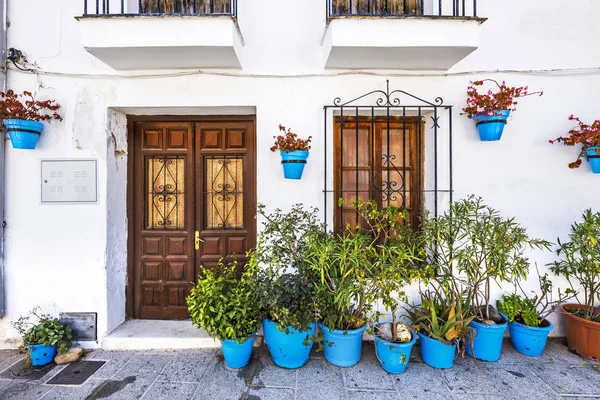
(401, 117)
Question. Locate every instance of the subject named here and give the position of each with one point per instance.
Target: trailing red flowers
(490, 102)
(290, 142)
(25, 106)
(585, 135)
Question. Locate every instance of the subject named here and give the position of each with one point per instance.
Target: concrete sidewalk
(201, 374)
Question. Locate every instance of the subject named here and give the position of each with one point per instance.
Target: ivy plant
(224, 305)
(47, 331)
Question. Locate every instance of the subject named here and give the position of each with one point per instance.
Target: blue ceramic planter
(41, 355)
(293, 163)
(435, 353)
(491, 127)
(288, 350)
(237, 355)
(529, 340)
(394, 357)
(23, 134)
(343, 348)
(594, 159)
(487, 342)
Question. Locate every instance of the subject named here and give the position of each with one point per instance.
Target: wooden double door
(192, 202)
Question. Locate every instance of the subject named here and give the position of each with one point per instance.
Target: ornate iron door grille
(380, 113)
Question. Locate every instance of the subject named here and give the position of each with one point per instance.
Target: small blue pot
(237, 355)
(594, 159)
(529, 340)
(41, 355)
(343, 348)
(491, 127)
(435, 353)
(23, 134)
(394, 357)
(293, 163)
(288, 350)
(487, 341)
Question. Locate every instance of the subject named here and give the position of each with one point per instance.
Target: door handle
(197, 240)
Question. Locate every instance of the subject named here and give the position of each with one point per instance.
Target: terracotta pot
(583, 336)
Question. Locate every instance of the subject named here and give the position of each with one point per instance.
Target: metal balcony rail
(401, 8)
(160, 7)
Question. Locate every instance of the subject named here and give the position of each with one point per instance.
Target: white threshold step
(157, 334)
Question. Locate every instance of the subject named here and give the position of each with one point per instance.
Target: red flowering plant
(290, 141)
(25, 106)
(585, 135)
(491, 102)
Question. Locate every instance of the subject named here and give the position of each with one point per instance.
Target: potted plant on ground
(492, 250)
(42, 339)
(580, 265)
(293, 151)
(284, 287)
(21, 116)
(491, 110)
(226, 307)
(588, 136)
(527, 323)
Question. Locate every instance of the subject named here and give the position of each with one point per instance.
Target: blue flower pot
(491, 127)
(288, 350)
(529, 340)
(487, 342)
(237, 355)
(343, 348)
(594, 159)
(435, 353)
(394, 357)
(293, 163)
(23, 134)
(41, 354)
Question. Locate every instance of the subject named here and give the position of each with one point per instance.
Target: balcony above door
(162, 34)
(400, 34)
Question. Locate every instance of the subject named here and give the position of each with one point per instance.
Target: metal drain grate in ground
(76, 373)
(31, 373)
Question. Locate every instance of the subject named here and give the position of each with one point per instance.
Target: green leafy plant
(284, 283)
(224, 305)
(585, 135)
(47, 331)
(580, 263)
(490, 102)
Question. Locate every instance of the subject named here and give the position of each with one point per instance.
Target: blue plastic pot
(237, 355)
(288, 350)
(594, 159)
(343, 348)
(293, 163)
(487, 342)
(23, 134)
(491, 127)
(41, 355)
(529, 340)
(435, 353)
(394, 357)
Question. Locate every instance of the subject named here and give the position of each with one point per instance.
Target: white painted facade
(74, 257)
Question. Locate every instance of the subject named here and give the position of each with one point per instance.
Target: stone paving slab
(203, 375)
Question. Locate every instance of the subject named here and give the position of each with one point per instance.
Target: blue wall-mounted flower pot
(487, 342)
(343, 348)
(435, 353)
(293, 163)
(490, 127)
(529, 340)
(594, 158)
(394, 357)
(23, 134)
(237, 355)
(288, 350)
(41, 354)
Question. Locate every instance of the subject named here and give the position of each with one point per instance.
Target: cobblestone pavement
(201, 374)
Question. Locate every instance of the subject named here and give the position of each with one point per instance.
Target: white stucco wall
(73, 257)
